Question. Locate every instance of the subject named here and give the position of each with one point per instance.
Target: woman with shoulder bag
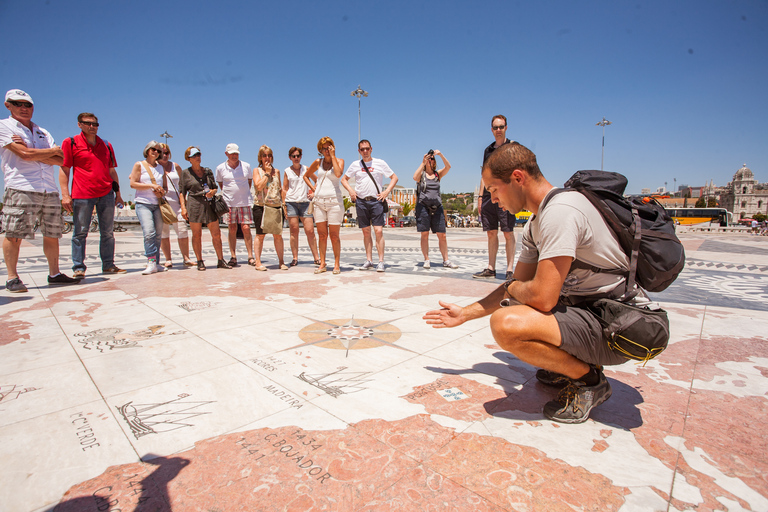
(267, 207)
(429, 205)
(323, 179)
(149, 181)
(173, 197)
(197, 187)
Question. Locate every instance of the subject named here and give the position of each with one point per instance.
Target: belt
(370, 198)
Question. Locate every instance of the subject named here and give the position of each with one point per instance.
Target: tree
(759, 217)
(347, 204)
(712, 203)
(407, 208)
(700, 203)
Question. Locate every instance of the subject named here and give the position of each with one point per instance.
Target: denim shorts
(294, 209)
(21, 209)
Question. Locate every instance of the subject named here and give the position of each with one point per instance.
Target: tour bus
(685, 216)
(522, 217)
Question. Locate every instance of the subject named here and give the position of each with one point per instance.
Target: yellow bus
(522, 217)
(687, 216)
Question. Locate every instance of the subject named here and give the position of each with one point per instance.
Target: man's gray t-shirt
(571, 226)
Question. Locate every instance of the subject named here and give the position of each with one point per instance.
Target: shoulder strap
(371, 176)
(149, 171)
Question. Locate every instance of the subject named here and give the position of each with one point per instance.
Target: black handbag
(220, 206)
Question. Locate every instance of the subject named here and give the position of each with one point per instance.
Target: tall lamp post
(167, 136)
(603, 123)
(359, 93)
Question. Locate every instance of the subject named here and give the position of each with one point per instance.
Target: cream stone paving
(286, 390)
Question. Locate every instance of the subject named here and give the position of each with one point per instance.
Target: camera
(431, 152)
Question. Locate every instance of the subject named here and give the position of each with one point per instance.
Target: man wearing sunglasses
(491, 216)
(28, 155)
(370, 198)
(94, 184)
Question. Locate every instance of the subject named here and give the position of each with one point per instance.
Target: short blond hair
(264, 150)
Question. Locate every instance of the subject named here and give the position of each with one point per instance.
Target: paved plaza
(285, 390)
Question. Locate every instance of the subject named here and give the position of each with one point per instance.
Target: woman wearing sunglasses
(267, 207)
(172, 172)
(197, 187)
(296, 202)
(149, 181)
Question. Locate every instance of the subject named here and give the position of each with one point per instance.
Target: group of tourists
(541, 314)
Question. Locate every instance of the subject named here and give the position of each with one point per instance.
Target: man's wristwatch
(507, 283)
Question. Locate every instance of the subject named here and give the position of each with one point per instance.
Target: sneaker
(61, 279)
(367, 265)
(380, 267)
(509, 275)
(575, 401)
(114, 270)
(151, 269)
(554, 379)
(486, 273)
(427, 264)
(78, 274)
(448, 264)
(15, 285)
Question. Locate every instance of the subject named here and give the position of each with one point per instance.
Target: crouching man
(546, 323)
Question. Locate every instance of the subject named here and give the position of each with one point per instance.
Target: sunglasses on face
(167, 153)
(365, 149)
(89, 123)
(295, 156)
(155, 149)
(500, 127)
(20, 104)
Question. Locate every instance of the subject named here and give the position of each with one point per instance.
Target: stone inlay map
(274, 390)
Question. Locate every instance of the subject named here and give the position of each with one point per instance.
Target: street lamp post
(603, 123)
(359, 93)
(167, 136)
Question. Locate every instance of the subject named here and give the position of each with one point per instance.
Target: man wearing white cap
(234, 178)
(28, 155)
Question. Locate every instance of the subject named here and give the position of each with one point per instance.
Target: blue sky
(684, 82)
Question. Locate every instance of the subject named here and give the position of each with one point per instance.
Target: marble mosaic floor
(285, 390)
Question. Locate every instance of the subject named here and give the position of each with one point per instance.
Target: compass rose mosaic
(350, 334)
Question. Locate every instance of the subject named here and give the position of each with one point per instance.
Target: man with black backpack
(563, 296)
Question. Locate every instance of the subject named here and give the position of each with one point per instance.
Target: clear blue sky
(684, 82)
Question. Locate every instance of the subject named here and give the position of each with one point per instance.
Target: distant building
(744, 196)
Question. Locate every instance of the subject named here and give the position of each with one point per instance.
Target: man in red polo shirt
(94, 184)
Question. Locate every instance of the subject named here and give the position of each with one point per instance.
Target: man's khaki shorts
(22, 210)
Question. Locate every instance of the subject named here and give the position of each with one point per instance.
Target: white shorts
(179, 227)
(328, 210)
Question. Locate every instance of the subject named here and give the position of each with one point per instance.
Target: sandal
(317, 262)
(252, 262)
(336, 271)
(283, 266)
(222, 264)
(320, 270)
(262, 268)
(189, 263)
(232, 262)
(200, 265)
(168, 264)
(294, 262)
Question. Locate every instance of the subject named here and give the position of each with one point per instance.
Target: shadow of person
(150, 495)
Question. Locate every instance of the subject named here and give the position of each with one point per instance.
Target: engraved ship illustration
(156, 418)
(337, 383)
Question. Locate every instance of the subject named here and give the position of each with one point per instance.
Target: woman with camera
(429, 206)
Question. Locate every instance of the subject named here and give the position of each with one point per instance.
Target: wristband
(507, 283)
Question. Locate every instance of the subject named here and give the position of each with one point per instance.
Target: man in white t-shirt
(544, 325)
(370, 197)
(234, 177)
(28, 155)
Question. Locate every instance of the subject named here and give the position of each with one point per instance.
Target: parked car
(408, 220)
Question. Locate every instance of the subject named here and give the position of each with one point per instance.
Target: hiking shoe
(380, 267)
(427, 264)
(114, 270)
(78, 274)
(554, 379)
(15, 285)
(449, 264)
(367, 265)
(60, 279)
(575, 401)
(486, 273)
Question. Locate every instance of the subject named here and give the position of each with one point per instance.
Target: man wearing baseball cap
(28, 155)
(234, 178)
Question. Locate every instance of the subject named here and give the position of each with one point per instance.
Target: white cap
(18, 95)
(193, 152)
(232, 148)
